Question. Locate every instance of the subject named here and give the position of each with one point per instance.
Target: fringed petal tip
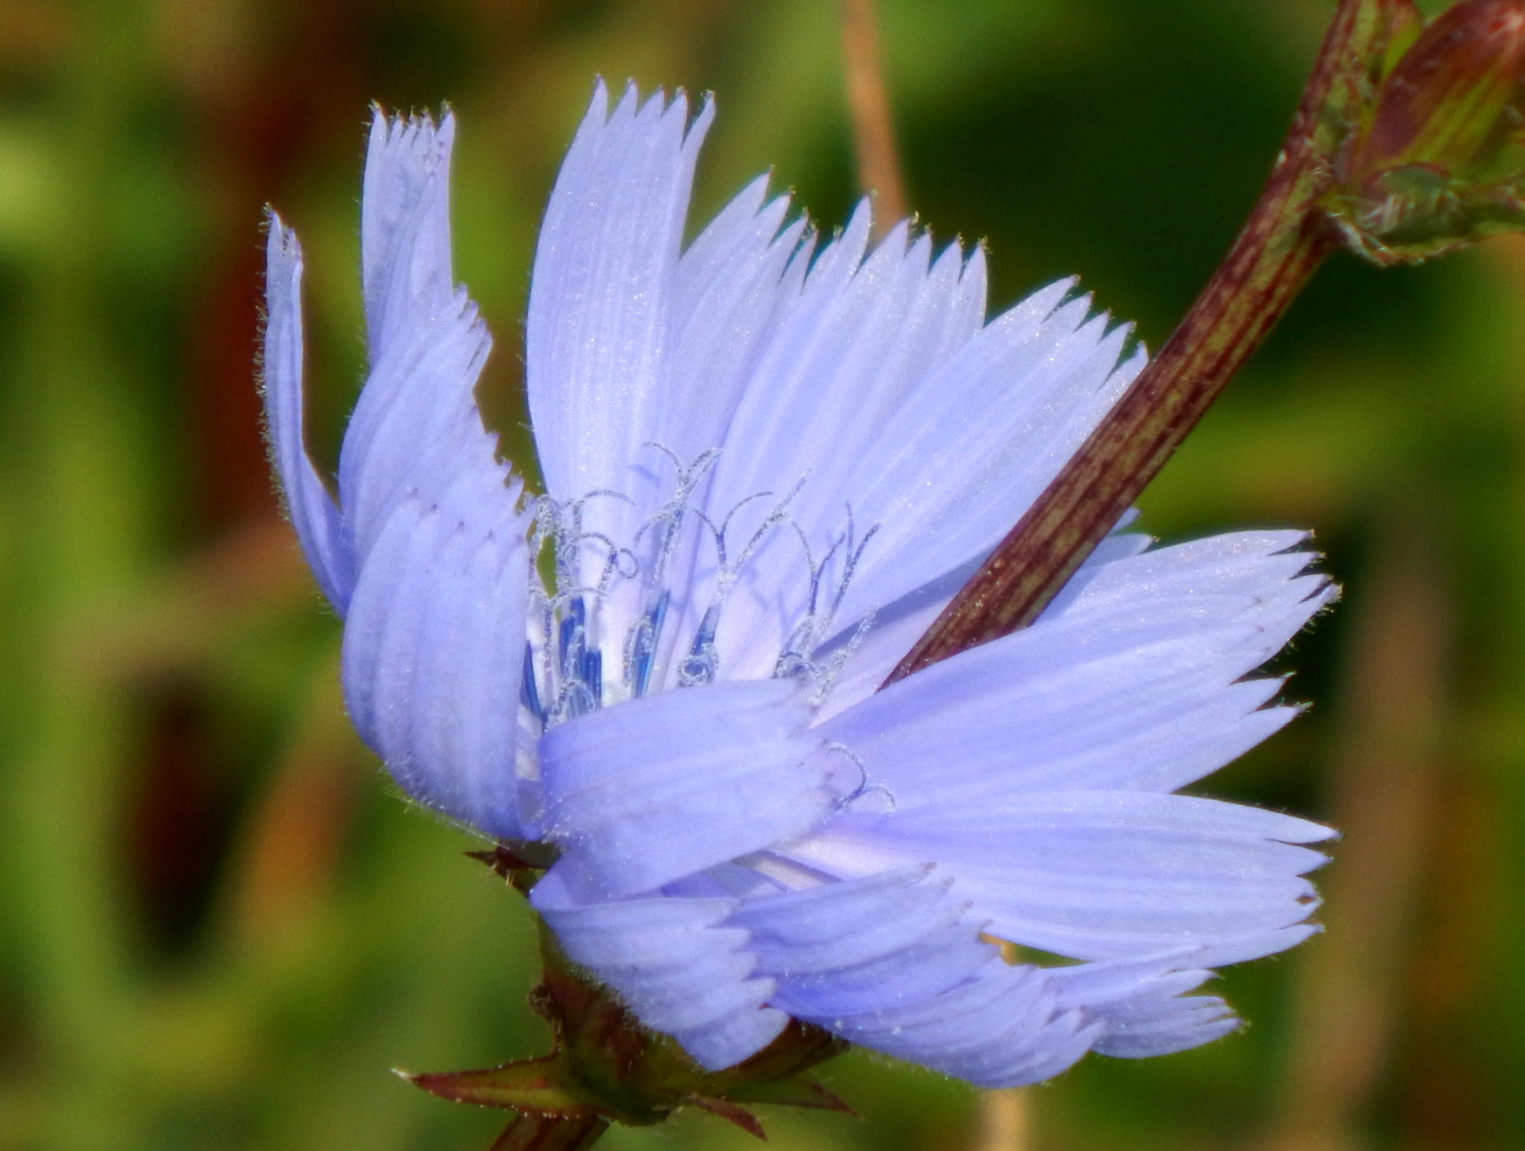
(280, 241)
(404, 224)
(632, 105)
(391, 125)
(407, 148)
(949, 264)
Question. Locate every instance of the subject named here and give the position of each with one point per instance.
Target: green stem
(1281, 245)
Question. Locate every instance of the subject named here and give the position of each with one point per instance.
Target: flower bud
(1441, 156)
(1453, 98)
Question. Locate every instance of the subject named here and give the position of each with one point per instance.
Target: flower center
(657, 587)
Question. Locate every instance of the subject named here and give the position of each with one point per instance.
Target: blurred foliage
(219, 927)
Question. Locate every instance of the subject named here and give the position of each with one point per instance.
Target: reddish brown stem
(1281, 245)
(530, 1132)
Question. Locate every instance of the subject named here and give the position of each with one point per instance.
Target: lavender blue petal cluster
(770, 458)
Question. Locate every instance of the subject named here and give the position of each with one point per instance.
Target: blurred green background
(219, 927)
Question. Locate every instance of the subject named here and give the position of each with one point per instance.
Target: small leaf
(1438, 158)
(1453, 98)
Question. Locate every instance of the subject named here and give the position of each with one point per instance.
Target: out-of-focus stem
(868, 103)
(1003, 1120)
(289, 849)
(1281, 245)
(1391, 711)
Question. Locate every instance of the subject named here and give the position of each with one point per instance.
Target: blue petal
(891, 963)
(434, 648)
(838, 925)
(672, 961)
(1143, 1004)
(842, 364)
(313, 512)
(898, 625)
(979, 438)
(1178, 1025)
(1135, 683)
(1100, 874)
(858, 340)
(597, 331)
(1002, 762)
(1001, 1028)
(405, 224)
(631, 354)
(655, 789)
(843, 948)
(732, 288)
(416, 429)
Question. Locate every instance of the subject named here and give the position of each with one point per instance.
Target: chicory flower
(770, 459)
